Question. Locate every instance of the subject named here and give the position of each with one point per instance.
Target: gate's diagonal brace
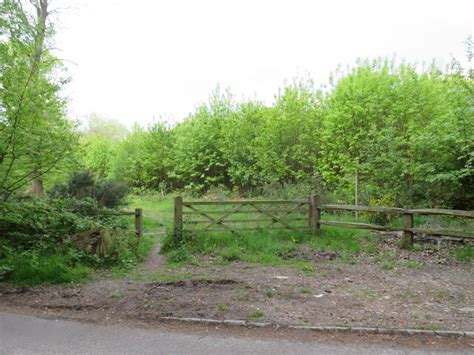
(285, 214)
(220, 219)
(273, 217)
(213, 220)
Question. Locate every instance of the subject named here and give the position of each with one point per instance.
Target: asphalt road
(29, 335)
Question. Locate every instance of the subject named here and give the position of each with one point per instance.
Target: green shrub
(82, 185)
(33, 268)
(28, 224)
(110, 194)
(178, 256)
(174, 240)
(465, 253)
(43, 241)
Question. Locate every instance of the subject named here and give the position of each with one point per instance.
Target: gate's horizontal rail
(244, 202)
(285, 214)
(249, 229)
(245, 212)
(250, 220)
(360, 226)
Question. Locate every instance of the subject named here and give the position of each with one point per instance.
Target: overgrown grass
(157, 211)
(31, 268)
(265, 246)
(464, 253)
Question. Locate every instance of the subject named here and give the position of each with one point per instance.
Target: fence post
(407, 240)
(178, 215)
(139, 222)
(314, 213)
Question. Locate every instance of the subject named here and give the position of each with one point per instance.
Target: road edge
(327, 329)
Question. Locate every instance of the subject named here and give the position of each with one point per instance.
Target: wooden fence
(138, 213)
(302, 214)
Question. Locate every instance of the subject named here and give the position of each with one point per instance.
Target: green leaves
(36, 140)
(407, 133)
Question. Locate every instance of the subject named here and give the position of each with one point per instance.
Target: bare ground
(429, 292)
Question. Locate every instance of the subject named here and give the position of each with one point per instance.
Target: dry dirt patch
(436, 296)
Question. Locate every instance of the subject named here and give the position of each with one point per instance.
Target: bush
(31, 223)
(174, 241)
(82, 186)
(44, 241)
(380, 218)
(33, 267)
(110, 194)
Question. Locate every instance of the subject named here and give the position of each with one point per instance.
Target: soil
(435, 293)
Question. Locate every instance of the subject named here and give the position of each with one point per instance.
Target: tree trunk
(36, 186)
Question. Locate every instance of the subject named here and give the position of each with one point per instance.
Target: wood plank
(247, 220)
(443, 212)
(361, 225)
(108, 213)
(422, 211)
(305, 228)
(220, 219)
(449, 233)
(303, 211)
(363, 208)
(282, 215)
(407, 240)
(272, 216)
(446, 232)
(178, 215)
(139, 222)
(244, 202)
(212, 219)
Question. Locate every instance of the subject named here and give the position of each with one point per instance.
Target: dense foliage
(59, 241)
(407, 133)
(83, 185)
(36, 140)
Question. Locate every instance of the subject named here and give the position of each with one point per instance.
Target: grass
(255, 315)
(157, 211)
(35, 269)
(263, 247)
(272, 247)
(464, 253)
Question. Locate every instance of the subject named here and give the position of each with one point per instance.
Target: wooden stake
(139, 222)
(178, 215)
(407, 241)
(314, 214)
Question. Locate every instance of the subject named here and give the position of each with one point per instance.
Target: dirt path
(155, 261)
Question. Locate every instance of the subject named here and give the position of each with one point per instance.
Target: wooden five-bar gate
(304, 214)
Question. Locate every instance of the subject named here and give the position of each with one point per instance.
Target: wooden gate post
(139, 222)
(407, 240)
(178, 215)
(314, 214)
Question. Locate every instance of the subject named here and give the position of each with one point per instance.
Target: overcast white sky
(135, 60)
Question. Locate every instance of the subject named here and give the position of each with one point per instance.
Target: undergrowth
(57, 241)
(264, 246)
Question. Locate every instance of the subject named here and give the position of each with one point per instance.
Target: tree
(99, 141)
(35, 136)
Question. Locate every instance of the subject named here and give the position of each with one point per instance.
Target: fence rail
(284, 217)
(264, 211)
(138, 213)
